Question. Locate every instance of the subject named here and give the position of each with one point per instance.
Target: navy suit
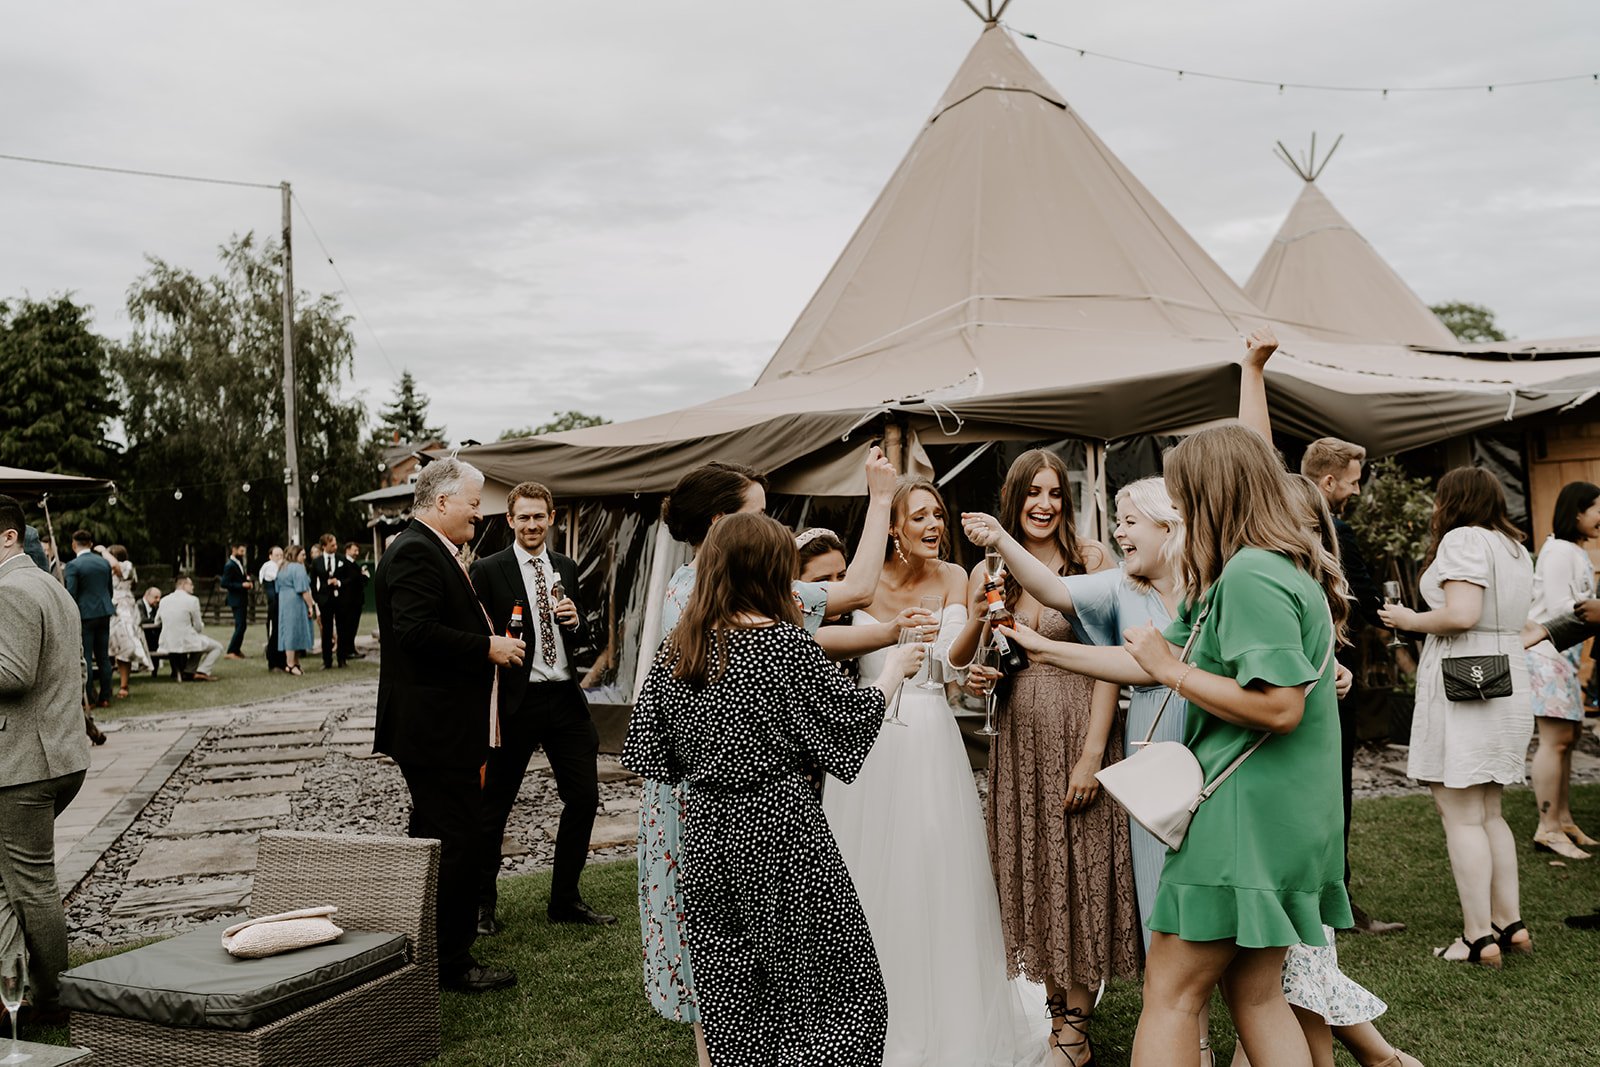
(89, 582)
(233, 579)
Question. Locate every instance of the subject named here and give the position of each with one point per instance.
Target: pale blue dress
(1107, 603)
(294, 628)
(668, 976)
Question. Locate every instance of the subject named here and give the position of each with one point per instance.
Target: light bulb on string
(315, 478)
(111, 500)
(177, 494)
(245, 487)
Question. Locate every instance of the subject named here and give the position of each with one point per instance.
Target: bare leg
(1471, 859)
(703, 1054)
(1319, 1038)
(1505, 901)
(1551, 764)
(124, 670)
(1252, 986)
(1068, 1046)
(1179, 976)
(1564, 803)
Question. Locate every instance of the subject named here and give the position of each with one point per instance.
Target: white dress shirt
(538, 670)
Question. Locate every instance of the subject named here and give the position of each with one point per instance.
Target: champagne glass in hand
(934, 606)
(13, 977)
(1391, 595)
(907, 637)
(988, 656)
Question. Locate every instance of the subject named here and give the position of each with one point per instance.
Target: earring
(899, 553)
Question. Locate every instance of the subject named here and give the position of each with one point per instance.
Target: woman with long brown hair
(911, 831)
(1478, 584)
(736, 702)
(1061, 854)
(1262, 866)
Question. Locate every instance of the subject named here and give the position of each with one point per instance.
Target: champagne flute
(13, 977)
(1391, 595)
(907, 637)
(933, 605)
(993, 563)
(988, 656)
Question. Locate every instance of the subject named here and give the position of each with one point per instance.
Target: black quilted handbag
(1479, 677)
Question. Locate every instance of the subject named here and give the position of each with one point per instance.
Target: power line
(138, 173)
(346, 285)
(1183, 72)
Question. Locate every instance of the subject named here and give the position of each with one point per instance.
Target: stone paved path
(173, 807)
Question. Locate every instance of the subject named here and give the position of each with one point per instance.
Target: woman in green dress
(1262, 867)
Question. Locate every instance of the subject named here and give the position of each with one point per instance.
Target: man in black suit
(324, 571)
(540, 704)
(352, 579)
(1335, 467)
(236, 581)
(435, 682)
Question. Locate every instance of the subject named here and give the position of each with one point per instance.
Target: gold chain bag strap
(1162, 785)
(1468, 678)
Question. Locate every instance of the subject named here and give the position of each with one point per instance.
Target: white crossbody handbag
(1162, 785)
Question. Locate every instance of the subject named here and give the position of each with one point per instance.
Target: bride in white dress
(910, 829)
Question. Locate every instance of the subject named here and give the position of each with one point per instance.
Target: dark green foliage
(405, 419)
(563, 421)
(1469, 322)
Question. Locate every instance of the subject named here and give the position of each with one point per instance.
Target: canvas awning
(15, 481)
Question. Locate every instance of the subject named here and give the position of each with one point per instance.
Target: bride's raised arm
(866, 566)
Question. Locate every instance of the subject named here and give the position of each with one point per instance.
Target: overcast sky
(620, 206)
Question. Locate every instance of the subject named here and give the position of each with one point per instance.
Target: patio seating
(369, 998)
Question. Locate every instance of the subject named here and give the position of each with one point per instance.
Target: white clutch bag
(285, 932)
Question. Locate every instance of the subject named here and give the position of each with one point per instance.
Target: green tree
(562, 421)
(405, 418)
(201, 380)
(1469, 322)
(56, 398)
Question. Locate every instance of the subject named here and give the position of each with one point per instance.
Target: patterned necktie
(547, 633)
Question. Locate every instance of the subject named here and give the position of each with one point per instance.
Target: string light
(1382, 91)
(245, 487)
(177, 494)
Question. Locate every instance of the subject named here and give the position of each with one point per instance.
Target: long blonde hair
(1149, 497)
(1233, 491)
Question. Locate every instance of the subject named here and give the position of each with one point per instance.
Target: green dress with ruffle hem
(1263, 862)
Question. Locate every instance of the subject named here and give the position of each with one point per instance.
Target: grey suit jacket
(41, 677)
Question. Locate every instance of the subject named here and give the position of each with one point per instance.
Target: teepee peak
(996, 63)
(1307, 166)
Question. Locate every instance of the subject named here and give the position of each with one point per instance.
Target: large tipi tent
(1015, 280)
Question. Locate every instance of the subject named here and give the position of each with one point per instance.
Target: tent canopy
(15, 481)
(1014, 279)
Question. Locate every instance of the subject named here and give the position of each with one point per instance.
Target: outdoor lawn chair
(372, 997)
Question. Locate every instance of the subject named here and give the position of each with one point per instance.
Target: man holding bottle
(541, 703)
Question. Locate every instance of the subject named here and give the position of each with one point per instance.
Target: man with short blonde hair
(1335, 466)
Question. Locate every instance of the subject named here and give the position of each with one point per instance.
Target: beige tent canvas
(1015, 280)
(1319, 272)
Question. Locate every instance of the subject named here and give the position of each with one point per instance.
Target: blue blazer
(89, 582)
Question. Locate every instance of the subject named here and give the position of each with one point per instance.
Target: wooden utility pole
(291, 431)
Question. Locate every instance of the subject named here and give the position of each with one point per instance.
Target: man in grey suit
(43, 757)
(89, 582)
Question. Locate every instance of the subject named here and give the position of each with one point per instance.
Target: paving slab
(225, 854)
(245, 787)
(360, 751)
(268, 727)
(352, 737)
(245, 757)
(510, 846)
(614, 774)
(261, 740)
(189, 900)
(609, 831)
(360, 722)
(194, 817)
(257, 770)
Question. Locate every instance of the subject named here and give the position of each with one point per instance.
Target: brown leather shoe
(1366, 924)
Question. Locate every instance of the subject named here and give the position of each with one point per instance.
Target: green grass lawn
(580, 1003)
(234, 681)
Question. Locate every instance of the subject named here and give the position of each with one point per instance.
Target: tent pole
(655, 593)
(894, 444)
(1101, 525)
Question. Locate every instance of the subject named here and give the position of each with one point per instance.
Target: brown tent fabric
(1319, 272)
(16, 481)
(1015, 281)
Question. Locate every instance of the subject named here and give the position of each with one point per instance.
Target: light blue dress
(668, 976)
(294, 628)
(1107, 603)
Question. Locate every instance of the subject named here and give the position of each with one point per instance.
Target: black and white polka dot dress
(784, 965)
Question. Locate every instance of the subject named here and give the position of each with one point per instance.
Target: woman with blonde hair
(1262, 866)
(1478, 584)
(1068, 912)
(910, 828)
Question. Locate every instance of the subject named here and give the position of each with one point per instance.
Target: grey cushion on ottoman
(189, 980)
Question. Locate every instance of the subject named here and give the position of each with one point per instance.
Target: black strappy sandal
(1073, 1018)
(1474, 952)
(1504, 937)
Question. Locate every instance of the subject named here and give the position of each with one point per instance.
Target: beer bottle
(514, 627)
(1013, 659)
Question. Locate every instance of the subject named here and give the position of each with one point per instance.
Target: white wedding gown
(910, 828)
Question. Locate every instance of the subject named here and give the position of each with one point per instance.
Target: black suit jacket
(233, 579)
(1366, 590)
(352, 586)
(498, 580)
(321, 591)
(434, 677)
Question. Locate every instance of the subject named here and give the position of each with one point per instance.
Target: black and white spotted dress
(784, 965)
